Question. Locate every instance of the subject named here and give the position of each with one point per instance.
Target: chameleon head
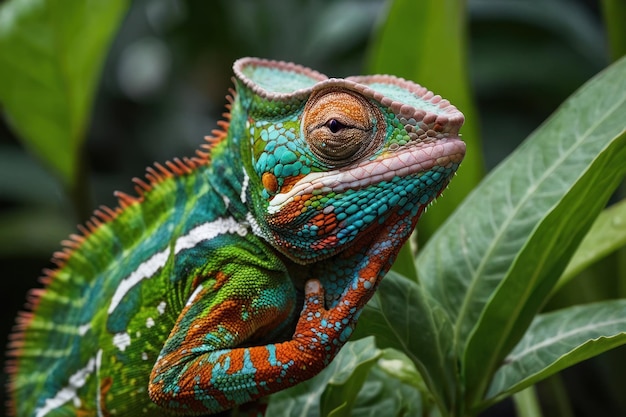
(336, 159)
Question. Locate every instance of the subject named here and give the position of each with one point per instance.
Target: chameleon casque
(241, 271)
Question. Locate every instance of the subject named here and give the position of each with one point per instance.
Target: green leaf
(607, 234)
(495, 261)
(344, 376)
(586, 139)
(341, 391)
(397, 365)
(402, 317)
(383, 395)
(425, 41)
(558, 340)
(51, 52)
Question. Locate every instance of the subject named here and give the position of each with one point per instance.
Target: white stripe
(161, 307)
(254, 225)
(121, 341)
(193, 295)
(244, 187)
(84, 328)
(207, 231)
(144, 271)
(99, 405)
(69, 392)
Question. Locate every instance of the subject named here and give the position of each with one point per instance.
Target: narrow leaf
(51, 52)
(607, 234)
(558, 340)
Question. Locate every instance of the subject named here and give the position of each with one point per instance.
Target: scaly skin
(242, 271)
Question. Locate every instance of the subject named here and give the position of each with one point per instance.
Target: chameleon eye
(334, 125)
(341, 126)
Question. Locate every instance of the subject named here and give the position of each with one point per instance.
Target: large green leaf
(51, 52)
(402, 317)
(425, 41)
(558, 340)
(496, 260)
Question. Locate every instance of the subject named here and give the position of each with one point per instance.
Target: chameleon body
(241, 271)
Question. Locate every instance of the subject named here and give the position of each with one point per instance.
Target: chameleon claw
(313, 286)
(313, 296)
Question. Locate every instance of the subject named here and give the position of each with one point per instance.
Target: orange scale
(370, 270)
(327, 242)
(236, 361)
(259, 357)
(329, 227)
(319, 220)
(289, 182)
(330, 218)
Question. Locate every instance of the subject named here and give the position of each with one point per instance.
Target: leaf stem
(527, 403)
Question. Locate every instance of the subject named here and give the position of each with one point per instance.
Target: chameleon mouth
(408, 160)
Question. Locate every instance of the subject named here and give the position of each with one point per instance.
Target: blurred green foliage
(507, 65)
(412, 44)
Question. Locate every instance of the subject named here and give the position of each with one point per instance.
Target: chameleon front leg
(202, 367)
(203, 371)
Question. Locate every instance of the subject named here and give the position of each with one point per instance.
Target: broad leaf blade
(425, 41)
(51, 52)
(517, 230)
(403, 318)
(558, 340)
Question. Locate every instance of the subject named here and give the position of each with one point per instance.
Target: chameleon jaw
(412, 159)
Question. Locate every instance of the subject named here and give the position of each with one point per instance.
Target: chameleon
(242, 270)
